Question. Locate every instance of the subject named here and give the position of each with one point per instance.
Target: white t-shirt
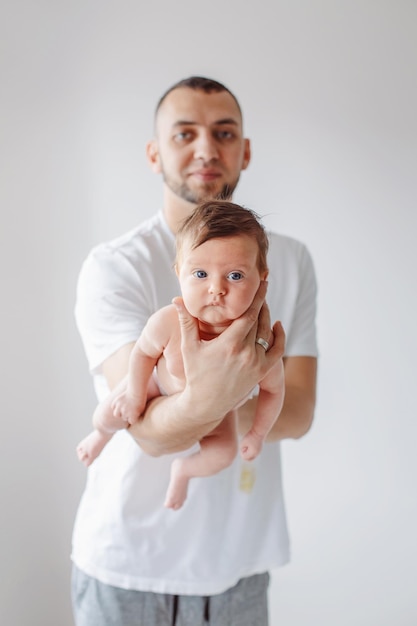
(227, 528)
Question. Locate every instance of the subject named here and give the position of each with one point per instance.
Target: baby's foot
(178, 486)
(89, 448)
(251, 445)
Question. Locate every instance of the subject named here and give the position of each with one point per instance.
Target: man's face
(199, 146)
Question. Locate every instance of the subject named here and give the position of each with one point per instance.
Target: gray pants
(96, 604)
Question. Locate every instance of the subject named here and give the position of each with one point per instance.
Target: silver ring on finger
(263, 343)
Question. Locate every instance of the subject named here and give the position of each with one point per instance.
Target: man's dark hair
(199, 83)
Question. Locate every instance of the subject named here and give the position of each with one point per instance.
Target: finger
(258, 302)
(246, 324)
(279, 337)
(188, 324)
(263, 327)
(277, 348)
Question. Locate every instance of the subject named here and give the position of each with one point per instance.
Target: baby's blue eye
(200, 274)
(235, 276)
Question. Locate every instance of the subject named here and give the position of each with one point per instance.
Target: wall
(329, 93)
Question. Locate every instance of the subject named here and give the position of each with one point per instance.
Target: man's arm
(297, 412)
(219, 374)
(116, 366)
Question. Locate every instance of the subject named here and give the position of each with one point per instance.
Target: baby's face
(219, 279)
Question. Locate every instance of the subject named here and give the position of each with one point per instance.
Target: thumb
(278, 345)
(188, 323)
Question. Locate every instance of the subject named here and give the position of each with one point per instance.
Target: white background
(329, 94)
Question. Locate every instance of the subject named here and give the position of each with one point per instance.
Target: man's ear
(152, 154)
(246, 154)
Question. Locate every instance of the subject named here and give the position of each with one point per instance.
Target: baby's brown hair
(220, 218)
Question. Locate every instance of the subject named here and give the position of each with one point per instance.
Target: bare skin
(221, 290)
(217, 451)
(176, 422)
(156, 434)
(106, 423)
(200, 150)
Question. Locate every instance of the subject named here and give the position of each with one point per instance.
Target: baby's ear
(264, 276)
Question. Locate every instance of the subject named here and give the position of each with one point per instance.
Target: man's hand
(219, 374)
(228, 367)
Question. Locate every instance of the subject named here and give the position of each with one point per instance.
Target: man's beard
(203, 195)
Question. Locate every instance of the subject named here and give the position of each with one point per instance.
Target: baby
(220, 262)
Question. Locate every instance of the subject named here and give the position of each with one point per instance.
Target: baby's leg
(105, 424)
(251, 445)
(267, 410)
(90, 447)
(217, 451)
(268, 407)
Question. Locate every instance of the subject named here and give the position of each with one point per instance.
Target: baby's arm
(126, 402)
(129, 404)
(268, 408)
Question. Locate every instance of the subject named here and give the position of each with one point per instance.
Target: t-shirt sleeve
(112, 305)
(302, 335)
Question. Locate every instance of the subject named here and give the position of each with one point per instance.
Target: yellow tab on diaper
(247, 477)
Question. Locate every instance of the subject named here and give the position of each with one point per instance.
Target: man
(134, 561)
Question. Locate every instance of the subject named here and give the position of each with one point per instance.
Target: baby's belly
(170, 380)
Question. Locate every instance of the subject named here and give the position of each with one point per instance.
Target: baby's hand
(127, 407)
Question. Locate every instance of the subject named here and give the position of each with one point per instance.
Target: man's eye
(200, 274)
(182, 136)
(224, 134)
(235, 276)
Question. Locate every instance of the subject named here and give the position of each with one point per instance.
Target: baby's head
(219, 218)
(221, 260)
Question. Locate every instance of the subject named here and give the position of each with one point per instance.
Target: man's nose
(205, 147)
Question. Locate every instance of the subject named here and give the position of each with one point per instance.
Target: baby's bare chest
(171, 367)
